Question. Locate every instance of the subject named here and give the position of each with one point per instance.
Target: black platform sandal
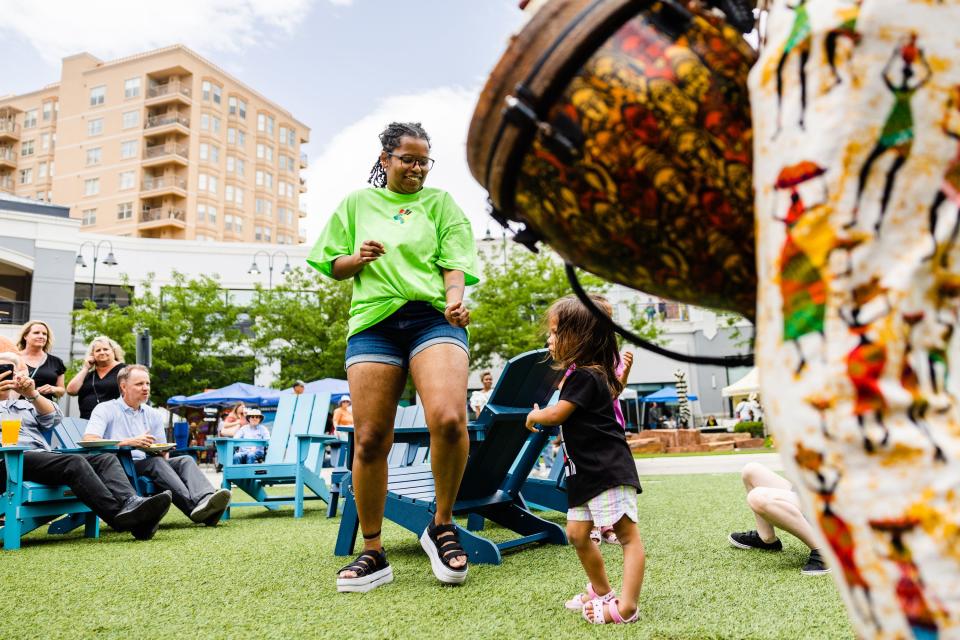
(442, 544)
(372, 570)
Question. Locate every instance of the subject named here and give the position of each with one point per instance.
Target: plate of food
(93, 444)
(158, 447)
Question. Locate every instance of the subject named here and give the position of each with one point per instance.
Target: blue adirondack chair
(550, 493)
(499, 463)
(411, 446)
(30, 505)
(294, 456)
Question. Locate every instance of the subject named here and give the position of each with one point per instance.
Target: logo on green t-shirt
(401, 215)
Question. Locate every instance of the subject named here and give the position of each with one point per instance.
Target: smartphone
(7, 367)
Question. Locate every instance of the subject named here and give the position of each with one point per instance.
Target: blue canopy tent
(237, 392)
(668, 394)
(334, 386)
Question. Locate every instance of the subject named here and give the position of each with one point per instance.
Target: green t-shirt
(420, 232)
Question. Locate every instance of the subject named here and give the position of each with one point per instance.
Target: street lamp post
(270, 257)
(110, 261)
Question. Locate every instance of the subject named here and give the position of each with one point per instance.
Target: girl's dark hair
(583, 340)
(390, 140)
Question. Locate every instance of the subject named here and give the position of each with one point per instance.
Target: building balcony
(169, 92)
(7, 184)
(9, 130)
(303, 161)
(8, 159)
(156, 217)
(160, 154)
(167, 123)
(164, 185)
(302, 210)
(303, 185)
(302, 237)
(14, 311)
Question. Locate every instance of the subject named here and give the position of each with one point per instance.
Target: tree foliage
(303, 324)
(507, 307)
(198, 340)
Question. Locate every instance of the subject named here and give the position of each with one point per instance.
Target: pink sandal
(576, 602)
(615, 617)
(608, 535)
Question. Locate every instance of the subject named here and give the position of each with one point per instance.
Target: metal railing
(167, 88)
(162, 213)
(9, 126)
(158, 150)
(165, 119)
(6, 182)
(6, 153)
(14, 311)
(164, 182)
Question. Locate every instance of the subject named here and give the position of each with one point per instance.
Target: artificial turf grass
(267, 575)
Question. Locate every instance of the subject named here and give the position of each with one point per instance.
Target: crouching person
(98, 481)
(129, 420)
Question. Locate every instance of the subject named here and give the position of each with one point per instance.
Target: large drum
(619, 132)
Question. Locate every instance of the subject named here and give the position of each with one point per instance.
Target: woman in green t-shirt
(410, 251)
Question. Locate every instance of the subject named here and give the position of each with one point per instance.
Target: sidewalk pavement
(685, 465)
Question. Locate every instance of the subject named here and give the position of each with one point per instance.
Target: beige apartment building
(162, 144)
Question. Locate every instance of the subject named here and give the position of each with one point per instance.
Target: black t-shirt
(95, 390)
(47, 373)
(598, 456)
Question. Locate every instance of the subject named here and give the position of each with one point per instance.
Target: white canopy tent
(746, 385)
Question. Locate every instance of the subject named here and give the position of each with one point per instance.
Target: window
(26, 176)
(30, 119)
(261, 122)
(127, 179)
(128, 149)
(258, 233)
(283, 135)
(210, 90)
(26, 148)
(216, 94)
(95, 127)
(47, 110)
(231, 135)
(124, 211)
(89, 217)
(51, 175)
(204, 151)
(242, 109)
(241, 166)
(98, 95)
(130, 119)
(291, 138)
(41, 171)
(228, 222)
(238, 197)
(267, 232)
(202, 182)
(44, 141)
(91, 186)
(215, 122)
(282, 162)
(94, 156)
(201, 212)
(231, 163)
(228, 193)
(214, 154)
(212, 213)
(204, 122)
(207, 213)
(238, 224)
(264, 207)
(131, 88)
(237, 107)
(241, 138)
(259, 178)
(212, 185)
(205, 90)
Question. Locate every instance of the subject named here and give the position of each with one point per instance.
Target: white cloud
(344, 163)
(110, 29)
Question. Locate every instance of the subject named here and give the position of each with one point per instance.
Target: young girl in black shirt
(602, 480)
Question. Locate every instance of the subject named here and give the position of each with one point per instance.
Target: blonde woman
(96, 381)
(235, 420)
(46, 369)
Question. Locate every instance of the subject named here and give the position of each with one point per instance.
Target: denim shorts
(402, 335)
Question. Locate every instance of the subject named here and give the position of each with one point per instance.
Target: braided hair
(390, 140)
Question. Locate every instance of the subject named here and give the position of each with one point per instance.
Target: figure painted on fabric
(909, 380)
(799, 40)
(950, 187)
(846, 29)
(897, 134)
(803, 258)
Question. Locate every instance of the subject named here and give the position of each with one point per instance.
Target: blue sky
(343, 67)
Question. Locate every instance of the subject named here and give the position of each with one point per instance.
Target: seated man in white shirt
(135, 424)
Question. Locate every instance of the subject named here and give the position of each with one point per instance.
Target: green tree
(645, 325)
(198, 341)
(507, 307)
(303, 324)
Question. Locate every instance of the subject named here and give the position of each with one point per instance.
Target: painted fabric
(856, 108)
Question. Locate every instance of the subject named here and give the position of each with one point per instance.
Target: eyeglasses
(409, 161)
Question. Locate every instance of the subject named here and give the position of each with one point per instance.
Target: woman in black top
(46, 369)
(96, 381)
(602, 481)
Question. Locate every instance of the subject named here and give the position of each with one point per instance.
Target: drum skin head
(631, 154)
